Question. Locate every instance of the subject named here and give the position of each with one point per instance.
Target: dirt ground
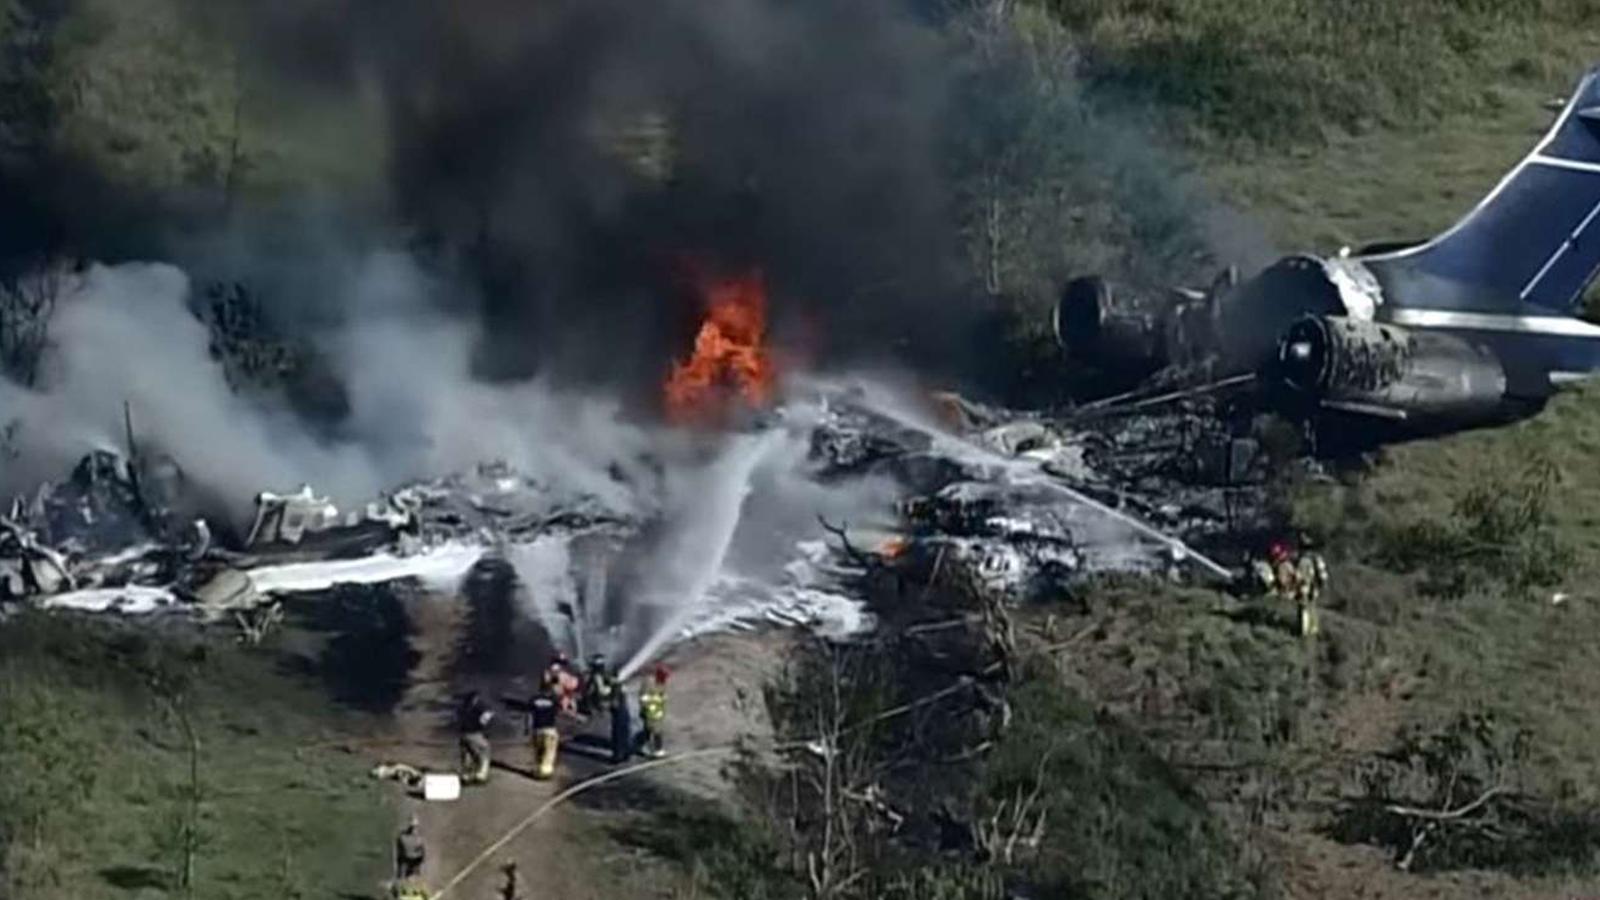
(714, 698)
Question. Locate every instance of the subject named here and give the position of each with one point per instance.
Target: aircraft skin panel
(1457, 320)
(1569, 269)
(1530, 347)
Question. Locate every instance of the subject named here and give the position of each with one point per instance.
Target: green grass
(1498, 646)
(283, 813)
(1121, 821)
(1294, 70)
(1406, 183)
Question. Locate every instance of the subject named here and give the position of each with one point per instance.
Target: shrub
(1498, 532)
(1453, 799)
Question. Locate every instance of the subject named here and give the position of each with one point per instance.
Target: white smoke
(419, 412)
(123, 338)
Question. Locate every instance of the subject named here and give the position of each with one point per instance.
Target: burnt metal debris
(1023, 502)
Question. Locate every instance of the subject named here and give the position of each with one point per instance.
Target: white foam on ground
(805, 598)
(131, 600)
(440, 568)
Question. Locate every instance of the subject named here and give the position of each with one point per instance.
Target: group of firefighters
(1294, 575)
(583, 696)
(563, 692)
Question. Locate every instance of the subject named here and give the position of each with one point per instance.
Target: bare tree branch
(1447, 815)
(850, 550)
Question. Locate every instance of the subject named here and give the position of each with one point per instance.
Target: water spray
(700, 530)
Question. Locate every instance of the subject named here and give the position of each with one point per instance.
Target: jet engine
(1418, 377)
(1113, 329)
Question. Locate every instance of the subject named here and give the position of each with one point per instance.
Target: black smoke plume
(803, 138)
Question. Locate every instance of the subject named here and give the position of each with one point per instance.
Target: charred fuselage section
(1426, 381)
(1314, 336)
(1227, 329)
(1123, 332)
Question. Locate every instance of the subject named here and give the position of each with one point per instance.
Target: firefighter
(508, 891)
(542, 712)
(473, 721)
(1285, 575)
(621, 724)
(560, 678)
(409, 853)
(1311, 576)
(653, 714)
(598, 685)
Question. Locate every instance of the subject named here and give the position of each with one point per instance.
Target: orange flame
(730, 359)
(894, 547)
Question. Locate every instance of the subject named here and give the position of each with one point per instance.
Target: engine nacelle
(1113, 329)
(1418, 377)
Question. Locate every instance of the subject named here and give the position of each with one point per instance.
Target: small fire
(731, 358)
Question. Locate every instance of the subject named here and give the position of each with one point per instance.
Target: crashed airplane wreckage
(1014, 498)
(114, 531)
(1473, 327)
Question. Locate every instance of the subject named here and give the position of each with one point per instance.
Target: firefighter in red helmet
(1291, 578)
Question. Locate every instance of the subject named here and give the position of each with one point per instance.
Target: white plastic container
(437, 786)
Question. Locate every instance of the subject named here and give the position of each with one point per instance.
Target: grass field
(1399, 184)
(96, 770)
(1274, 71)
(1499, 645)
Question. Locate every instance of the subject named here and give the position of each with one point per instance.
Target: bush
(1498, 532)
(1451, 799)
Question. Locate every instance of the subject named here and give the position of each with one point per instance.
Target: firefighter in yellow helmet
(653, 714)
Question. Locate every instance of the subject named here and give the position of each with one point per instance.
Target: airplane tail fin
(1533, 241)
